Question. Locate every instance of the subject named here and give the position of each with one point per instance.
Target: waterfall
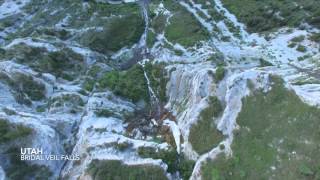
(153, 97)
(143, 41)
(144, 51)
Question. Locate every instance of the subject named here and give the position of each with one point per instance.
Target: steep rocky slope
(160, 89)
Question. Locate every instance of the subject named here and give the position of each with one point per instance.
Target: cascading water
(153, 97)
(144, 52)
(143, 40)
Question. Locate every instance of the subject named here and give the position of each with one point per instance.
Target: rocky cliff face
(160, 89)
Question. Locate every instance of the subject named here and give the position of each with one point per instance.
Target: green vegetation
(232, 28)
(122, 146)
(8, 111)
(26, 84)
(292, 45)
(114, 169)
(57, 33)
(2, 53)
(184, 28)
(41, 108)
(270, 15)
(171, 158)
(131, 83)
(278, 137)
(24, 87)
(64, 63)
(158, 23)
(158, 78)
(73, 101)
(204, 135)
(94, 15)
(114, 36)
(304, 57)
(303, 81)
(88, 84)
(220, 73)
(94, 71)
(108, 9)
(11, 132)
(301, 48)
(211, 171)
(264, 63)
(315, 37)
(305, 170)
(8, 22)
(151, 39)
(104, 113)
(22, 170)
(298, 39)
(105, 23)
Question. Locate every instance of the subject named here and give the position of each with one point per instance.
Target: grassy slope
(124, 28)
(262, 16)
(277, 130)
(204, 135)
(175, 162)
(117, 31)
(184, 28)
(105, 170)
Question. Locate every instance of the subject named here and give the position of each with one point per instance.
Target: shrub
(315, 37)
(158, 79)
(114, 169)
(64, 63)
(301, 48)
(88, 84)
(131, 83)
(298, 39)
(220, 73)
(174, 161)
(11, 132)
(26, 84)
(9, 111)
(104, 113)
(264, 63)
(305, 170)
(292, 45)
